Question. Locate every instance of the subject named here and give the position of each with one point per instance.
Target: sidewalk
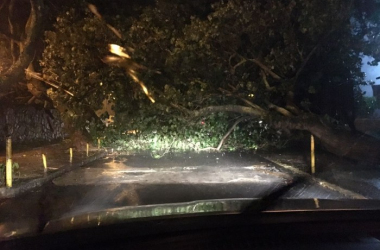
(31, 170)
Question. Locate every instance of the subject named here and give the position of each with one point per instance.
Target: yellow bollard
(44, 162)
(87, 149)
(98, 143)
(316, 202)
(312, 155)
(71, 155)
(8, 171)
(8, 166)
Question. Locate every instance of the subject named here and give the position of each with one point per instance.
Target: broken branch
(230, 131)
(279, 109)
(306, 61)
(229, 108)
(10, 36)
(267, 86)
(33, 33)
(265, 68)
(243, 99)
(183, 109)
(12, 31)
(237, 65)
(38, 77)
(224, 108)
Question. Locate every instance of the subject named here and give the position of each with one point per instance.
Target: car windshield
(188, 106)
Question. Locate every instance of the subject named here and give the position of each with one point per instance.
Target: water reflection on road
(140, 180)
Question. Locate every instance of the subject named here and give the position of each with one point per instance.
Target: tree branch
(237, 65)
(258, 63)
(3, 4)
(306, 61)
(265, 68)
(230, 109)
(243, 99)
(311, 53)
(38, 77)
(279, 109)
(12, 30)
(267, 86)
(33, 33)
(10, 36)
(229, 60)
(230, 131)
(179, 107)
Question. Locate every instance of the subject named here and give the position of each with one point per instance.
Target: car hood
(203, 208)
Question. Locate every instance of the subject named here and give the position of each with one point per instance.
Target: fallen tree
(356, 146)
(293, 65)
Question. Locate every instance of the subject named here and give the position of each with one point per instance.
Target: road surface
(128, 180)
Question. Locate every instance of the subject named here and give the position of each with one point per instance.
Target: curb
(12, 192)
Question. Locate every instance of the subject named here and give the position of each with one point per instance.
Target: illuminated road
(140, 180)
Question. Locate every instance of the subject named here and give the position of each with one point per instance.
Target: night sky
(371, 72)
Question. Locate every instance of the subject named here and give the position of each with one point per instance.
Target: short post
(87, 149)
(98, 143)
(312, 155)
(71, 155)
(8, 166)
(44, 162)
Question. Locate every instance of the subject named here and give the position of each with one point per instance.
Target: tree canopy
(259, 67)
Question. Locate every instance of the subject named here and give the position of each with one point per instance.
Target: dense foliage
(4, 55)
(277, 58)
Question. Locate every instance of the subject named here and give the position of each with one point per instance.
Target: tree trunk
(33, 31)
(367, 125)
(357, 146)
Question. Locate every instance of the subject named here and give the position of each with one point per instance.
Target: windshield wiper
(270, 199)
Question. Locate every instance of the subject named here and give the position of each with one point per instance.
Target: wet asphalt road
(125, 180)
